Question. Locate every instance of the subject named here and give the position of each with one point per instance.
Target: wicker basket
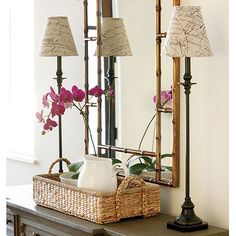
(133, 197)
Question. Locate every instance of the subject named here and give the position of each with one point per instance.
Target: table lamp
(187, 37)
(57, 41)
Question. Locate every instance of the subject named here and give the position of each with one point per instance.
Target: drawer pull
(9, 221)
(35, 234)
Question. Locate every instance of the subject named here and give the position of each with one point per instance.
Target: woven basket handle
(137, 182)
(56, 161)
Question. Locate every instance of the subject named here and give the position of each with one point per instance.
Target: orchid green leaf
(74, 167)
(137, 169)
(75, 175)
(148, 160)
(166, 155)
(116, 161)
(168, 168)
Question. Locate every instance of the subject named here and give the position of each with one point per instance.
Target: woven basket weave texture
(133, 197)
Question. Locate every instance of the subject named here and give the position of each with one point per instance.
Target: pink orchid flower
(96, 91)
(57, 109)
(111, 92)
(39, 116)
(53, 95)
(45, 101)
(154, 99)
(78, 94)
(65, 96)
(166, 96)
(67, 105)
(50, 124)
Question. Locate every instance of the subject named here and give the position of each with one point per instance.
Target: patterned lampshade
(57, 38)
(187, 36)
(114, 40)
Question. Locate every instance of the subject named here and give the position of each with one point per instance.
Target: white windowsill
(21, 157)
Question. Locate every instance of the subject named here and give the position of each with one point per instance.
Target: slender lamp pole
(59, 84)
(111, 117)
(187, 86)
(188, 217)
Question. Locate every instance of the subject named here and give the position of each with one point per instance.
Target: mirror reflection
(136, 91)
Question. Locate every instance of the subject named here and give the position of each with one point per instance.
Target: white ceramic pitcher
(98, 174)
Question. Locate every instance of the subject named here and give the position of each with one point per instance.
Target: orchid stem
(86, 123)
(146, 131)
(145, 134)
(164, 103)
(86, 103)
(153, 137)
(141, 141)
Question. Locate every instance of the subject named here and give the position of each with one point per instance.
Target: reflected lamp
(114, 43)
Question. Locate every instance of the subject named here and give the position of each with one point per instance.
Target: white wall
(46, 147)
(209, 105)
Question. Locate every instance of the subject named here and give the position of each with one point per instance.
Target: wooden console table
(25, 218)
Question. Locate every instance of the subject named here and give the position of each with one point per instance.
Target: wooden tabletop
(19, 198)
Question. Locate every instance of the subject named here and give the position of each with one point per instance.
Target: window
(20, 133)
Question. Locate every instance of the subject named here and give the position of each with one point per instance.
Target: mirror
(147, 131)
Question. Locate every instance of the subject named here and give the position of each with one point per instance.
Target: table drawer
(10, 224)
(31, 228)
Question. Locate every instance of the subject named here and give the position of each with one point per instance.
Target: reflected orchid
(96, 91)
(111, 92)
(166, 96)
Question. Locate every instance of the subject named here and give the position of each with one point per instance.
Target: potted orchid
(57, 104)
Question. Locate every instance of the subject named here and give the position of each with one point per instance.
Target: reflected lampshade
(186, 35)
(114, 40)
(57, 38)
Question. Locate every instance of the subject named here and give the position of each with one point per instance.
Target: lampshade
(114, 41)
(57, 38)
(187, 36)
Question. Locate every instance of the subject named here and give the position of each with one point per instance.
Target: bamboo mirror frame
(101, 8)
